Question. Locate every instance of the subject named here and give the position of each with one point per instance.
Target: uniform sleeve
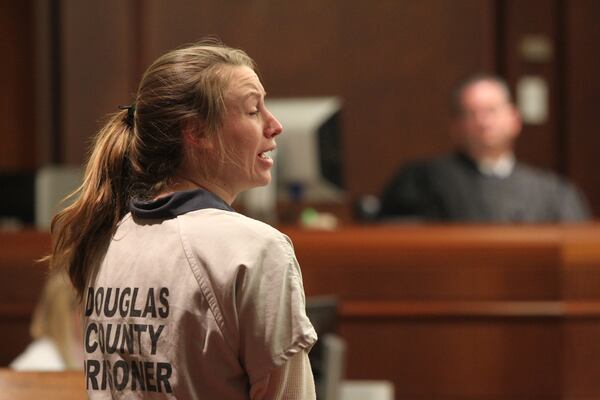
(293, 380)
(271, 313)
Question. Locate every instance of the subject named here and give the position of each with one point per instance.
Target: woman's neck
(180, 183)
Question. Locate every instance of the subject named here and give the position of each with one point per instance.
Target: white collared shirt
(500, 168)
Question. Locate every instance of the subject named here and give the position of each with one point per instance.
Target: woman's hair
(140, 149)
(56, 317)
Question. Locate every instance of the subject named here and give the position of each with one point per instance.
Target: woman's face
(248, 134)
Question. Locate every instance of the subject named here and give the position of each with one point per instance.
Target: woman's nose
(274, 127)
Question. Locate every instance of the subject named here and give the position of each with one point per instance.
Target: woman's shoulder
(231, 225)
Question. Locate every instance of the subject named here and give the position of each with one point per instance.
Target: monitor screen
(17, 199)
(309, 157)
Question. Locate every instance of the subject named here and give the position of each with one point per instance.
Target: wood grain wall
(539, 144)
(17, 101)
(393, 63)
(379, 57)
(582, 90)
(445, 312)
(464, 312)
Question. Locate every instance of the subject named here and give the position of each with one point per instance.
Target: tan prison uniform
(192, 301)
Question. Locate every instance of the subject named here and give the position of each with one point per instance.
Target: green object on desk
(308, 216)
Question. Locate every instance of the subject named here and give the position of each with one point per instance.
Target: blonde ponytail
(140, 150)
(82, 229)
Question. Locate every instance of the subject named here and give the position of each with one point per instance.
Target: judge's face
(248, 134)
(488, 123)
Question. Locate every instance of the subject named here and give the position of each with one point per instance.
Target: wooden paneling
(457, 358)
(97, 68)
(42, 385)
(583, 95)
(566, 142)
(17, 100)
(20, 286)
(382, 58)
(477, 312)
(403, 58)
(580, 380)
(393, 62)
(539, 144)
(434, 263)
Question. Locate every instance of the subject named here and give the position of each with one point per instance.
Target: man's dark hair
(459, 88)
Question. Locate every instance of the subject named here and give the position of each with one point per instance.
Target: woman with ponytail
(182, 296)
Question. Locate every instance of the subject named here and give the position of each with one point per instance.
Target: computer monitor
(53, 183)
(17, 207)
(309, 158)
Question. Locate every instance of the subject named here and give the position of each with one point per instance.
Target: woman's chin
(260, 181)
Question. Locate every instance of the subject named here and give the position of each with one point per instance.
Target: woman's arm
(293, 380)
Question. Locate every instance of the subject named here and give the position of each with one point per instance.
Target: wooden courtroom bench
(41, 385)
(464, 312)
(21, 281)
(469, 312)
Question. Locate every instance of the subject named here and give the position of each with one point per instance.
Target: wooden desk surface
(454, 262)
(42, 385)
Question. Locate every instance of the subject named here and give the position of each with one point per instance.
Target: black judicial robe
(452, 189)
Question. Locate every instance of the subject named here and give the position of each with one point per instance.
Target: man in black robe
(482, 181)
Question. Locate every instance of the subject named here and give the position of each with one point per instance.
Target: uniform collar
(177, 203)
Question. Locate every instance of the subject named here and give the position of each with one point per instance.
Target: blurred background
(441, 312)
(68, 63)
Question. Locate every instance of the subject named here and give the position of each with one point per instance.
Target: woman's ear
(194, 136)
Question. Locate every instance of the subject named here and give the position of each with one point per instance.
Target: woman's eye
(254, 112)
